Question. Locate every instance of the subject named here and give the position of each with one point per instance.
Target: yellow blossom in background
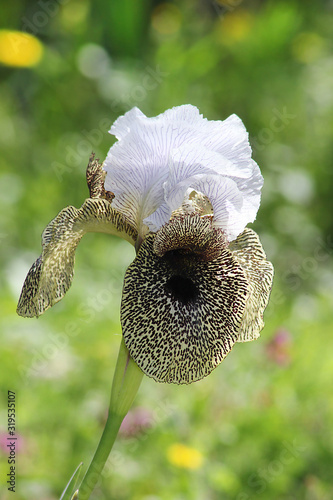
(19, 49)
(234, 26)
(184, 456)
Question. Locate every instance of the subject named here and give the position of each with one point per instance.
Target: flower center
(182, 289)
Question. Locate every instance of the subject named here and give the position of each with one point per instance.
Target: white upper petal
(122, 125)
(156, 160)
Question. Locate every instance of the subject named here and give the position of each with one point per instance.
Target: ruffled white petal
(122, 125)
(156, 160)
(233, 191)
(186, 113)
(136, 169)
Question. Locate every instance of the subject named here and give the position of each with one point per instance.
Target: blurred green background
(260, 426)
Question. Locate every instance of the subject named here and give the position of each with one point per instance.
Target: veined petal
(227, 137)
(161, 216)
(136, 169)
(231, 210)
(138, 164)
(122, 126)
(230, 138)
(158, 159)
(191, 159)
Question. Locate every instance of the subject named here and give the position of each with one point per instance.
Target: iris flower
(181, 189)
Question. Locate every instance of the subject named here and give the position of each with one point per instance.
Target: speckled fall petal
(51, 275)
(259, 272)
(185, 296)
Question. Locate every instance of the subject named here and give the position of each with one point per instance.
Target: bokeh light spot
(223, 478)
(297, 186)
(308, 47)
(93, 61)
(74, 13)
(19, 49)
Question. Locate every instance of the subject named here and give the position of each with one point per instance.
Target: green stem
(126, 382)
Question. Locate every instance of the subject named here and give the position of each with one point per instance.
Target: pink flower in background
(136, 421)
(279, 347)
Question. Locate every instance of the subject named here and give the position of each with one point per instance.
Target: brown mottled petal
(95, 176)
(180, 313)
(191, 233)
(51, 275)
(201, 203)
(196, 203)
(249, 252)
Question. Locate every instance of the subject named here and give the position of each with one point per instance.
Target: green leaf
(69, 493)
